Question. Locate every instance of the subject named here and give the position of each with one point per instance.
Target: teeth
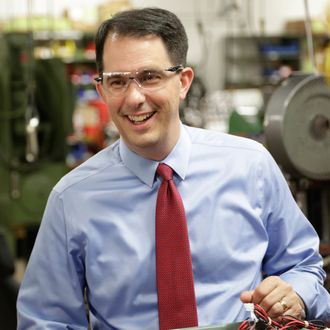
(140, 118)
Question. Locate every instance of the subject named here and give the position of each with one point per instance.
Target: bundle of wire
(260, 320)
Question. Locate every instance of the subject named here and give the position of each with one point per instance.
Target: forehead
(125, 53)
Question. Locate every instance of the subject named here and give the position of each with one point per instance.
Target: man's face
(148, 121)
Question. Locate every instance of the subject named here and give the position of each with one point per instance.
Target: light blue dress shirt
(98, 231)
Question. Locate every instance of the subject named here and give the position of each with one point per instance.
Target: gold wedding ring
(284, 305)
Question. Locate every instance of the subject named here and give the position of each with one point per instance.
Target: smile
(140, 118)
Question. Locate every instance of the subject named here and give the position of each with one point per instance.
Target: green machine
(36, 104)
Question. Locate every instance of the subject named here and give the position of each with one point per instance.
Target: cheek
(173, 93)
(178, 93)
(175, 99)
(113, 105)
(169, 102)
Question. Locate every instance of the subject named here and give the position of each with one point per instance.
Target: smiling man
(143, 87)
(232, 233)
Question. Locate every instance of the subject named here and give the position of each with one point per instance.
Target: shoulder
(93, 169)
(223, 141)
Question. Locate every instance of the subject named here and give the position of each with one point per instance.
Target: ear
(100, 91)
(186, 78)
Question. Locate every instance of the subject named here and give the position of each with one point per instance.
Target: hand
(276, 297)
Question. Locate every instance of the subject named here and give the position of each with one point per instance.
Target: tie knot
(165, 171)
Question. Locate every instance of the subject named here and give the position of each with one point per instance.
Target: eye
(150, 77)
(116, 82)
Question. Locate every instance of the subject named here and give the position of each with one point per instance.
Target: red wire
(244, 325)
(288, 322)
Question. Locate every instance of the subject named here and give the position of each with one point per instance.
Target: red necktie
(175, 282)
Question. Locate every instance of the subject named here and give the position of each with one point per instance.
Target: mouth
(138, 119)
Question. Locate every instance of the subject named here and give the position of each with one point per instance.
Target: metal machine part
(297, 126)
(32, 139)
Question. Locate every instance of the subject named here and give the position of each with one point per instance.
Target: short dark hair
(143, 22)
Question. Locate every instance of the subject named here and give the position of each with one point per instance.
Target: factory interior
(262, 71)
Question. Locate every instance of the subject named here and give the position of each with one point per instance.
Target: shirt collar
(145, 169)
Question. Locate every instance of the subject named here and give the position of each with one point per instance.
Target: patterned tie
(175, 282)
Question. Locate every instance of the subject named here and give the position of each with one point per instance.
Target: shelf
(253, 62)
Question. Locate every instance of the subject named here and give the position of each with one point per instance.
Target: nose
(134, 94)
(135, 80)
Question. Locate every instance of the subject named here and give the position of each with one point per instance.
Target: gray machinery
(297, 132)
(36, 105)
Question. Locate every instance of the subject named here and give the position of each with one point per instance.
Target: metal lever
(32, 145)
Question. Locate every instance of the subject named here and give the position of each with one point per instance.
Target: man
(249, 241)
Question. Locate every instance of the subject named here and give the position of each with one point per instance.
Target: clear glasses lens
(117, 82)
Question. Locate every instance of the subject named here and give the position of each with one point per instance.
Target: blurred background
(262, 70)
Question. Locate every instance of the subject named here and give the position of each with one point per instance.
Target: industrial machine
(36, 104)
(297, 133)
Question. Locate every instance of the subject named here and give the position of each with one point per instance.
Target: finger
(264, 289)
(266, 294)
(295, 306)
(278, 309)
(246, 296)
(296, 311)
(289, 304)
(270, 292)
(273, 303)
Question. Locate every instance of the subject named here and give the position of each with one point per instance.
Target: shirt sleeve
(51, 295)
(293, 250)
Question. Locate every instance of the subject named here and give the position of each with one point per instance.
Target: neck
(157, 153)
(159, 150)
